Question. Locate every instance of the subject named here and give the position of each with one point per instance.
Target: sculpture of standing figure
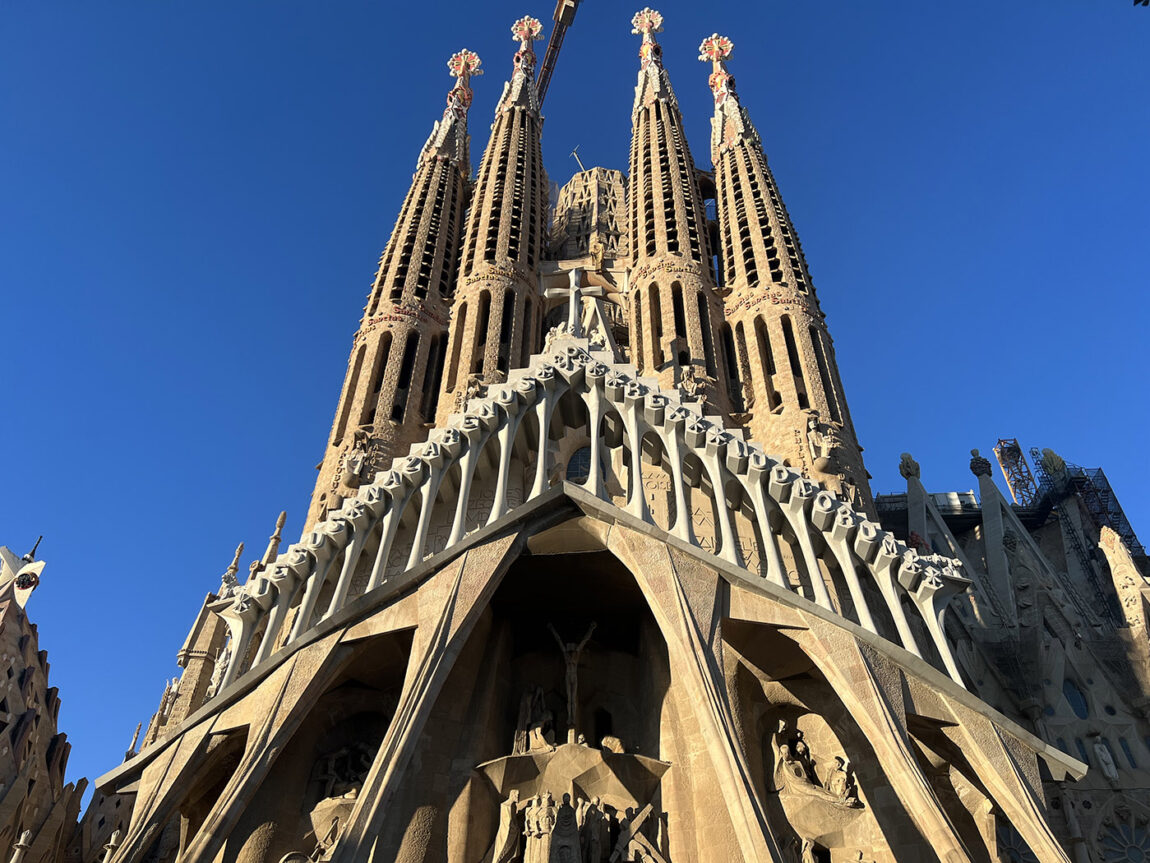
(571, 653)
(565, 836)
(507, 839)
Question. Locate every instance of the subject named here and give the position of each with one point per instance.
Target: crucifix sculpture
(574, 293)
(571, 653)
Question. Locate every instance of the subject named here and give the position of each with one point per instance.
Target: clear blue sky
(194, 197)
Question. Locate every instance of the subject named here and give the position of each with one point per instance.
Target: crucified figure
(571, 653)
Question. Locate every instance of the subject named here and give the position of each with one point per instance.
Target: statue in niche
(342, 772)
(473, 388)
(690, 384)
(824, 443)
(1105, 760)
(571, 652)
(218, 668)
(356, 458)
(840, 780)
(507, 839)
(536, 729)
(557, 332)
(818, 812)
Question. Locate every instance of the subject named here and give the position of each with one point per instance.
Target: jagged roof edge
(560, 504)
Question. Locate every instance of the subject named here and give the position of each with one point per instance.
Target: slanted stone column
(787, 381)
(496, 311)
(397, 358)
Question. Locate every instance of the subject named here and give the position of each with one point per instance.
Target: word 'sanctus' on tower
(396, 363)
(776, 340)
(496, 312)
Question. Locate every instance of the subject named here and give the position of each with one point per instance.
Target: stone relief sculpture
(819, 812)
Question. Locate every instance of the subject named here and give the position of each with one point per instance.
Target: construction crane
(1019, 479)
(564, 18)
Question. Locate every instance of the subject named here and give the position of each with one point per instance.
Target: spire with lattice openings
(495, 320)
(396, 365)
(786, 381)
(674, 309)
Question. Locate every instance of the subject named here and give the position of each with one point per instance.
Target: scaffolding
(1099, 499)
(1019, 479)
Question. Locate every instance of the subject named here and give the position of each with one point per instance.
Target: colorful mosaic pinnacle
(526, 30)
(646, 23)
(716, 48)
(463, 64)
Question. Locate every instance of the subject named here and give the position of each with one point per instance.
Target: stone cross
(574, 293)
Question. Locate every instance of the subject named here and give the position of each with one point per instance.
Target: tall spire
(520, 91)
(785, 382)
(676, 314)
(449, 138)
(495, 319)
(392, 383)
(731, 122)
(653, 80)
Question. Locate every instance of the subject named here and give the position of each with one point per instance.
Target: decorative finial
(228, 581)
(464, 63)
(525, 31)
(716, 49)
(235, 564)
(31, 556)
(646, 23)
(979, 466)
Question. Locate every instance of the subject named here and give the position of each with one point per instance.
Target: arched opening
(796, 364)
(460, 327)
(348, 396)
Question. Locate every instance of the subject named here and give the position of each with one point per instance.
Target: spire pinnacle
(448, 140)
(646, 23)
(730, 123)
(520, 91)
(654, 85)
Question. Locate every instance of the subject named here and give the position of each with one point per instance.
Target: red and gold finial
(717, 49)
(646, 23)
(525, 31)
(462, 65)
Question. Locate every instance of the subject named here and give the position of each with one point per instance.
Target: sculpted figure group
(541, 830)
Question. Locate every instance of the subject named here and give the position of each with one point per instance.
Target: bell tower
(397, 356)
(675, 311)
(496, 317)
(777, 344)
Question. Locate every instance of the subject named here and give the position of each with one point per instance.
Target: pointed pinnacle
(235, 565)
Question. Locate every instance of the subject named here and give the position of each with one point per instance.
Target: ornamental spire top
(646, 23)
(520, 92)
(653, 83)
(730, 123)
(448, 139)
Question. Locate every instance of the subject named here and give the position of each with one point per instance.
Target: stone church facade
(593, 571)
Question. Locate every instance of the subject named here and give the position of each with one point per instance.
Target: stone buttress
(777, 344)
